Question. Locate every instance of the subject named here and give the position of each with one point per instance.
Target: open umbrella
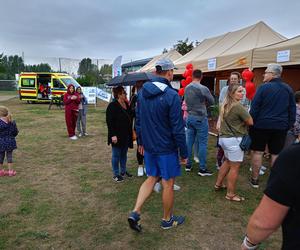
(130, 79)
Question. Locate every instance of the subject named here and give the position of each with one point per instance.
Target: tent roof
(240, 43)
(268, 54)
(150, 66)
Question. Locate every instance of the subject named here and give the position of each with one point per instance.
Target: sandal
(219, 188)
(266, 155)
(234, 197)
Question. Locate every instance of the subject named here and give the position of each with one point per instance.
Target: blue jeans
(197, 129)
(119, 159)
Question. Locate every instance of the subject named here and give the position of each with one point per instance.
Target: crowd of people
(171, 131)
(167, 128)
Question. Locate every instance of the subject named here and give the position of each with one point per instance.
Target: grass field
(63, 196)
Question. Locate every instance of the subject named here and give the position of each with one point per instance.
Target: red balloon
(189, 73)
(184, 74)
(189, 66)
(250, 90)
(247, 75)
(188, 79)
(183, 83)
(181, 92)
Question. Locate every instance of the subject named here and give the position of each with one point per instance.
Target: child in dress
(8, 132)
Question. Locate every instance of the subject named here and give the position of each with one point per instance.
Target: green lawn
(63, 196)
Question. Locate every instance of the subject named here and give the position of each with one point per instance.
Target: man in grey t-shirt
(197, 98)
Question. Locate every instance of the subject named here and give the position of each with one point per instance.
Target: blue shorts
(165, 166)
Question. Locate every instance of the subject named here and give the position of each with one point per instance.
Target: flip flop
(219, 188)
(235, 198)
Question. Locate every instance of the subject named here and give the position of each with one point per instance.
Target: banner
(103, 95)
(90, 93)
(116, 67)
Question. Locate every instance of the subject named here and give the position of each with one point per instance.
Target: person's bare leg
(273, 159)
(9, 166)
(168, 197)
(223, 171)
(232, 178)
(145, 191)
(256, 162)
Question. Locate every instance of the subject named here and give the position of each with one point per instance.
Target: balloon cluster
(188, 78)
(248, 75)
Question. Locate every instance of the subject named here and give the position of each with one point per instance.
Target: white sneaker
(85, 134)
(140, 171)
(74, 137)
(263, 168)
(261, 171)
(157, 187)
(176, 187)
(196, 159)
(80, 135)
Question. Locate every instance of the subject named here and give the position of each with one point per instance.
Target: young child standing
(8, 132)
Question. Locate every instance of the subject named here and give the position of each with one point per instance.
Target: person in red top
(71, 101)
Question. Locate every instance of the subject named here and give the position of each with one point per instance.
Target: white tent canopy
(150, 66)
(285, 53)
(231, 50)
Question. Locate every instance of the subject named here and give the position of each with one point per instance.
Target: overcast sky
(135, 29)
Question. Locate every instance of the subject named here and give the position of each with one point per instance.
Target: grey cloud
(134, 29)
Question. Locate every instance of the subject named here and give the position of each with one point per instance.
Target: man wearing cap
(197, 97)
(273, 110)
(161, 138)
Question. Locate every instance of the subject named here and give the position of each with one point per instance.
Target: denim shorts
(166, 166)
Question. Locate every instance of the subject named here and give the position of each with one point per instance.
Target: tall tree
(183, 47)
(89, 73)
(42, 67)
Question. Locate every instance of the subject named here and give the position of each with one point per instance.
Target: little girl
(8, 132)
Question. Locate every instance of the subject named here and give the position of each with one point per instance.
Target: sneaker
(173, 222)
(2, 172)
(254, 183)
(133, 220)
(196, 159)
(263, 168)
(140, 171)
(80, 134)
(157, 187)
(85, 134)
(188, 168)
(11, 172)
(176, 187)
(126, 174)
(205, 172)
(261, 171)
(74, 137)
(118, 178)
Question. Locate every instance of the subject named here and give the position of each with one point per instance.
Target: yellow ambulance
(41, 87)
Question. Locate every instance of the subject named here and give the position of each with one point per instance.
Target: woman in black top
(119, 124)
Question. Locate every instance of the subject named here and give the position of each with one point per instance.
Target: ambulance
(41, 87)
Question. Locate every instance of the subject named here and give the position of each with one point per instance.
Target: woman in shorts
(235, 120)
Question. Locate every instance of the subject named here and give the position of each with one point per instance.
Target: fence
(7, 85)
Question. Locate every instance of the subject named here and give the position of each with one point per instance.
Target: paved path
(6, 97)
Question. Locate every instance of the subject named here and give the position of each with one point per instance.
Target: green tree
(86, 66)
(184, 47)
(42, 67)
(11, 65)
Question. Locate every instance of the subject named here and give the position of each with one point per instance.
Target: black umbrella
(130, 79)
